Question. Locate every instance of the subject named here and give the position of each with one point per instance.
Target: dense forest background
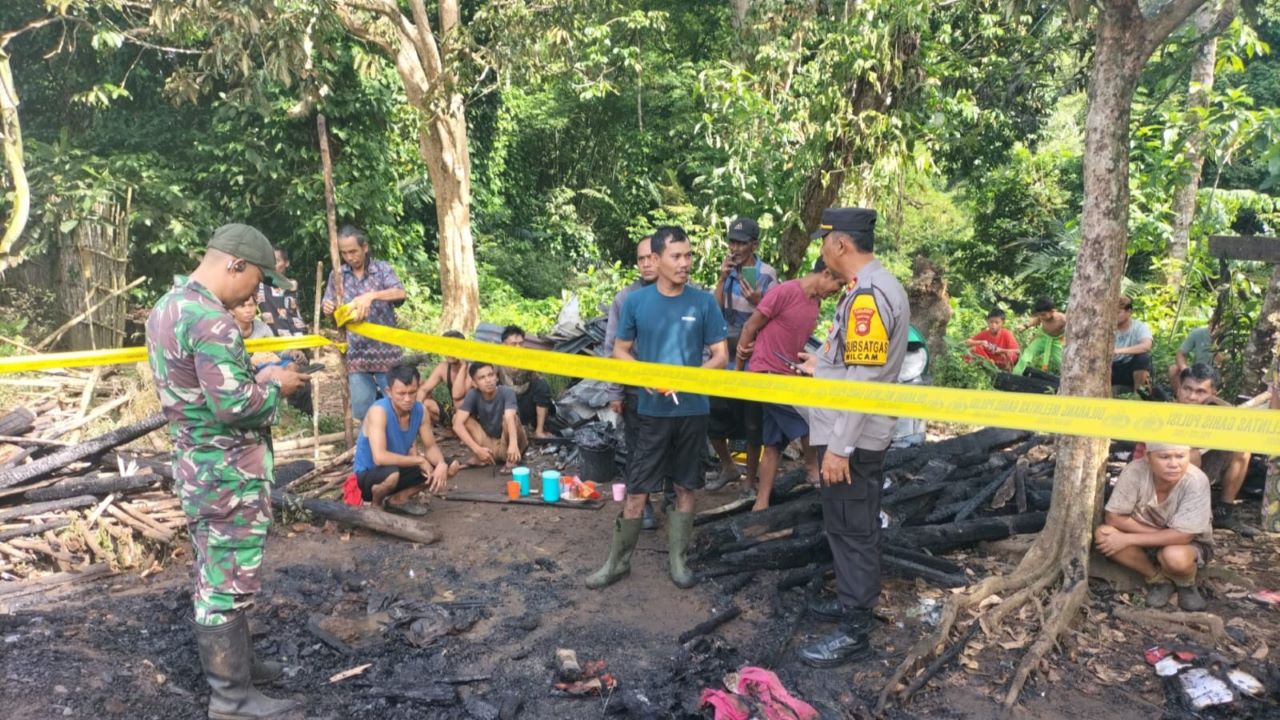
(590, 122)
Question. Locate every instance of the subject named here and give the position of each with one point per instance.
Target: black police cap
(850, 220)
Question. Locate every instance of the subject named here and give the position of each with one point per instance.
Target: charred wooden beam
(94, 485)
(80, 452)
(39, 508)
(710, 624)
(949, 536)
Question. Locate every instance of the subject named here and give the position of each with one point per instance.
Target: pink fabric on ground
(778, 703)
(727, 706)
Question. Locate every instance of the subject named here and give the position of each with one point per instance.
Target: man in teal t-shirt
(672, 323)
(1197, 348)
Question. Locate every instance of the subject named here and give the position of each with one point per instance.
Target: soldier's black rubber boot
(226, 654)
(847, 644)
(625, 534)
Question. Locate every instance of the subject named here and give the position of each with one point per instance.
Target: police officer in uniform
(867, 342)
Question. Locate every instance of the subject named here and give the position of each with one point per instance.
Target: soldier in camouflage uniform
(220, 418)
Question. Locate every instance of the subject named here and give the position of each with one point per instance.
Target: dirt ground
(505, 583)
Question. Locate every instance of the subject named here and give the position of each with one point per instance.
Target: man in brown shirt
(1159, 510)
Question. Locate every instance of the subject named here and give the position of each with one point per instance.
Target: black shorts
(666, 446)
(782, 424)
(736, 420)
(409, 477)
(1122, 372)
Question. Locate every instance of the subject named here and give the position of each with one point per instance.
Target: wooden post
(331, 215)
(315, 379)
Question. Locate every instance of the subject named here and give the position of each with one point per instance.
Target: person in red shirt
(996, 344)
(771, 342)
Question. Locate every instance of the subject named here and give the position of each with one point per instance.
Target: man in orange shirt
(996, 343)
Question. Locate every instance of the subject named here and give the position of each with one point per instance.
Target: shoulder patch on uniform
(866, 341)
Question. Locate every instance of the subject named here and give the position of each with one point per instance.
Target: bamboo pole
(331, 215)
(315, 379)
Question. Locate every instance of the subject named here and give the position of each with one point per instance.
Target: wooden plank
(530, 500)
(1245, 247)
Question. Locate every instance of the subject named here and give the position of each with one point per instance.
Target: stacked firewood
(981, 486)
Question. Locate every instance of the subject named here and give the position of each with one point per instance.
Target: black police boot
(847, 644)
(1224, 516)
(830, 609)
(226, 654)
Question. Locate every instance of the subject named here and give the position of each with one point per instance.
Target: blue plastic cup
(550, 486)
(521, 475)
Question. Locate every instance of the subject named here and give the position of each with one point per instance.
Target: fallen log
(39, 591)
(39, 508)
(743, 505)
(83, 451)
(710, 624)
(949, 536)
(368, 518)
(756, 524)
(95, 485)
(432, 694)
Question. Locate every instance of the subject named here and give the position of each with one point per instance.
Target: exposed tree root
(1211, 632)
(1035, 576)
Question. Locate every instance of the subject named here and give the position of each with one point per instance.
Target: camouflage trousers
(227, 517)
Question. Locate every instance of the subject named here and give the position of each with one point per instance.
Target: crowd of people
(221, 403)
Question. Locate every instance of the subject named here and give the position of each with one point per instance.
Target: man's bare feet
(543, 434)
(506, 468)
(472, 461)
(454, 467)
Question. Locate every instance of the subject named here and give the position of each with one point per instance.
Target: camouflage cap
(246, 242)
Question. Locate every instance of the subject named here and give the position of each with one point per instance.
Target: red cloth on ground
(727, 706)
(351, 491)
(1003, 340)
(792, 318)
(778, 704)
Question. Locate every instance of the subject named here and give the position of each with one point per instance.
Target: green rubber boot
(625, 534)
(679, 532)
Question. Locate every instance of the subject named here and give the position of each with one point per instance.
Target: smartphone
(312, 368)
(790, 364)
(749, 275)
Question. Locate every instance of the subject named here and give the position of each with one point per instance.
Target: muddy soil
(508, 579)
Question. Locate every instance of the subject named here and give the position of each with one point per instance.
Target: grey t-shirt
(489, 412)
(1198, 347)
(1130, 336)
(1186, 508)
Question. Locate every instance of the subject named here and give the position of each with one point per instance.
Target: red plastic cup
(513, 489)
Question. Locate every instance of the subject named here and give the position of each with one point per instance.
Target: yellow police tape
(121, 356)
(1201, 426)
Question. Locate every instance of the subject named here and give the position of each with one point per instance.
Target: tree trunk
(1261, 351)
(1184, 198)
(1064, 543)
(740, 9)
(930, 304)
(422, 59)
(444, 148)
(11, 139)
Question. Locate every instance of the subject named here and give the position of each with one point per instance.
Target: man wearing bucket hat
(1159, 523)
(220, 416)
(867, 341)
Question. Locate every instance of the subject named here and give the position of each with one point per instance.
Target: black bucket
(597, 464)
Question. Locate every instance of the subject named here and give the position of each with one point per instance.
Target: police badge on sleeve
(866, 339)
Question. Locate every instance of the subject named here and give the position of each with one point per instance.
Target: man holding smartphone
(744, 279)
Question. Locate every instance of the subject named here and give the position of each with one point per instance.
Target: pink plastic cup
(619, 492)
